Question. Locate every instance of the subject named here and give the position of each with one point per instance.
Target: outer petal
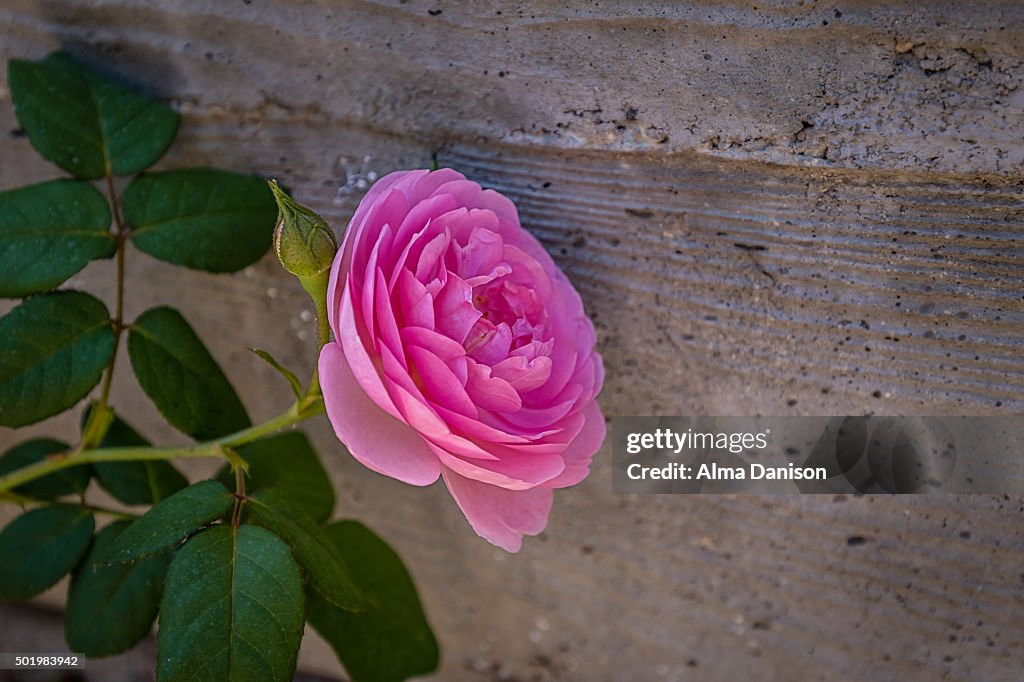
(374, 437)
(503, 471)
(359, 361)
(579, 453)
(500, 516)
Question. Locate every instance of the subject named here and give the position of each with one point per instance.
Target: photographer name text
(715, 472)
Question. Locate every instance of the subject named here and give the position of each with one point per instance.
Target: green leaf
(48, 232)
(85, 123)
(53, 349)
(201, 218)
(289, 375)
(288, 463)
(391, 642)
(145, 482)
(181, 377)
(232, 610)
(170, 522)
(40, 547)
(111, 607)
(70, 481)
(314, 551)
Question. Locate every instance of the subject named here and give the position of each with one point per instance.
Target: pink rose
(461, 350)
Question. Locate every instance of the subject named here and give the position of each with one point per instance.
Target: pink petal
(373, 195)
(500, 270)
(460, 366)
(489, 392)
(367, 235)
(502, 517)
(579, 453)
(418, 218)
(419, 185)
(524, 375)
(395, 372)
(451, 446)
(454, 310)
(342, 264)
(563, 364)
(414, 409)
(387, 327)
(469, 193)
(417, 413)
(463, 225)
(415, 303)
(482, 252)
(379, 441)
(440, 345)
(363, 368)
(498, 465)
(410, 252)
(489, 343)
(431, 257)
(440, 383)
(476, 429)
(527, 272)
(335, 286)
(371, 277)
(542, 417)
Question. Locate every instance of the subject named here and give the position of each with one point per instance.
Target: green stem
(323, 337)
(323, 327)
(316, 287)
(309, 406)
(238, 465)
(25, 500)
(119, 303)
(101, 416)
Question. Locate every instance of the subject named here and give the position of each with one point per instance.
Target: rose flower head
(460, 351)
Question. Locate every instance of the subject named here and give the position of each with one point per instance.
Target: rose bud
(303, 240)
(461, 351)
